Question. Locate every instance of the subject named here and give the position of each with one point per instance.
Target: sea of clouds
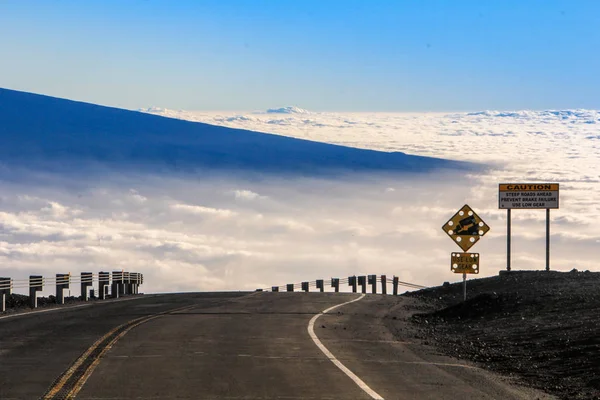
(522, 146)
(199, 232)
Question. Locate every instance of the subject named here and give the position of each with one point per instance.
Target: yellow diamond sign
(465, 228)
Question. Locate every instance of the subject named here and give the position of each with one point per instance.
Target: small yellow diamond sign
(465, 228)
(464, 263)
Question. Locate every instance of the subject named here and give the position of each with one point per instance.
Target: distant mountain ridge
(585, 116)
(37, 129)
(287, 110)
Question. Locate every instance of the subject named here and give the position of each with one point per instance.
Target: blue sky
(321, 55)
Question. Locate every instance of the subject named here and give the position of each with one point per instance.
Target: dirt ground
(18, 303)
(540, 327)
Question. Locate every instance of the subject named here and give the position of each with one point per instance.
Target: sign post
(527, 196)
(465, 263)
(547, 239)
(465, 228)
(508, 236)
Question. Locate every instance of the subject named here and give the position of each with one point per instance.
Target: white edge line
(331, 357)
(25, 313)
(70, 307)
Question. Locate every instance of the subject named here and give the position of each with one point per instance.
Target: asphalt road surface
(232, 346)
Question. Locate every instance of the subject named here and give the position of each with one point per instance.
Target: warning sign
(528, 195)
(464, 263)
(465, 228)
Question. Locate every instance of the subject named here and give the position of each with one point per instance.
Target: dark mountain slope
(42, 130)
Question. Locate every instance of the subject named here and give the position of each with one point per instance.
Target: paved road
(227, 346)
(36, 348)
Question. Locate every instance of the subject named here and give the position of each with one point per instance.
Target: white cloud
(136, 197)
(246, 195)
(202, 210)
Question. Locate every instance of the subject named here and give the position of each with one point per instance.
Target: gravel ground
(539, 327)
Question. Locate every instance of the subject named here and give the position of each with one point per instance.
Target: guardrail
(120, 282)
(352, 281)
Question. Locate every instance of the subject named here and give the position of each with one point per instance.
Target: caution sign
(528, 195)
(465, 228)
(464, 263)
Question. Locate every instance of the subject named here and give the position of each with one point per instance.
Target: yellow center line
(58, 386)
(79, 384)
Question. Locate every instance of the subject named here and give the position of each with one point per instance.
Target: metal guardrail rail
(353, 281)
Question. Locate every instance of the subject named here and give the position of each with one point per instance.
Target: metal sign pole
(508, 239)
(547, 239)
(464, 286)
(528, 196)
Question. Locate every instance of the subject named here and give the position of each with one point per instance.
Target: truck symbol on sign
(467, 226)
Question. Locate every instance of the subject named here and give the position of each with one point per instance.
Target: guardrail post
(136, 284)
(62, 283)
(132, 282)
(395, 284)
(352, 282)
(362, 281)
(383, 284)
(123, 288)
(275, 289)
(87, 279)
(5, 289)
(290, 287)
(335, 283)
(373, 283)
(127, 283)
(117, 283)
(36, 284)
(305, 286)
(321, 285)
(103, 282)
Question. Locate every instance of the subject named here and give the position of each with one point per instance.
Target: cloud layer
(186, 234)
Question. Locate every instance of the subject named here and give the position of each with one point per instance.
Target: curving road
(234, 346)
